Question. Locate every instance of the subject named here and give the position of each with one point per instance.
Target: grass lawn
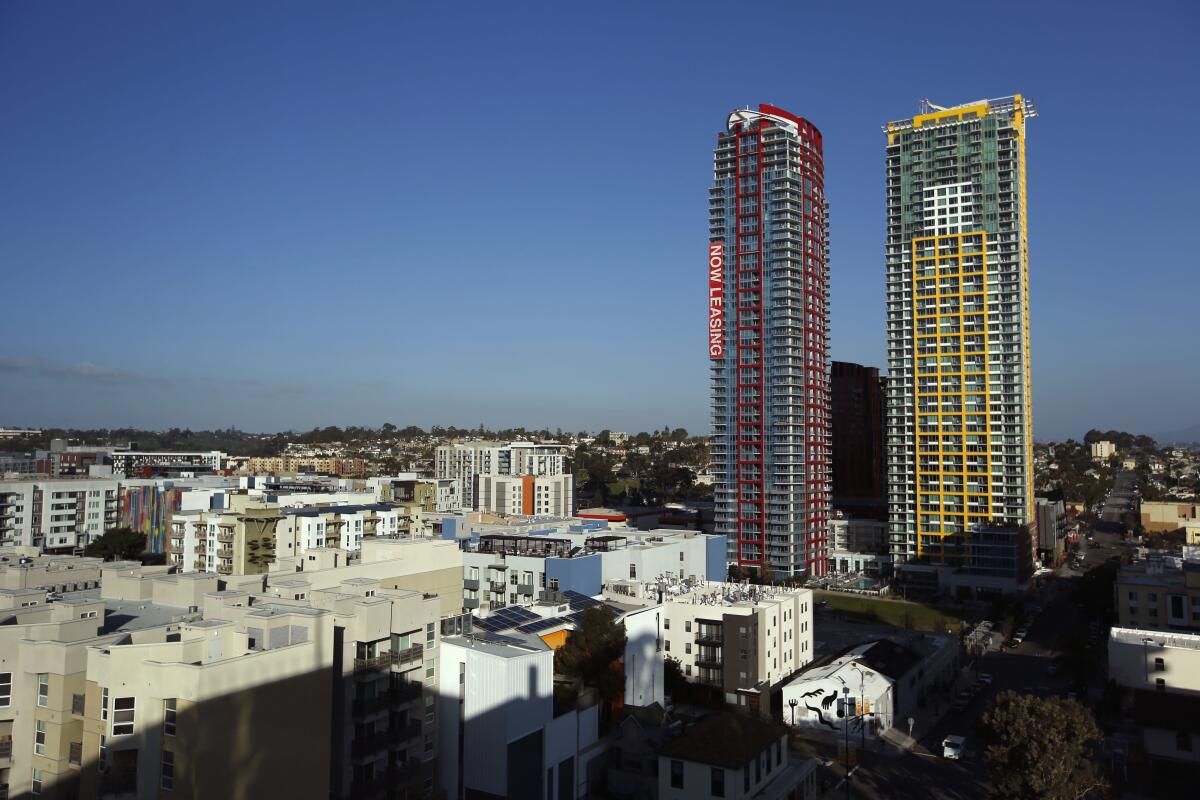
(893, 612)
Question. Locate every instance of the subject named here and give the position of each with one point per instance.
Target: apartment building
(1051, 530)
(238, 540)
(1103, 451)
(502, 732)
(141, 688)
(1167, 516)
(344, 526)
(140, 463)
(1160, 593)
(468, 461)
(502, 569)
(57, 515)
(739, 639)
(856, 405)
(529, 495)
(433, 495)
(768, 341)
(293, 464)
(858, 545)
(959, 431)
(25, 569)
(1162, 670)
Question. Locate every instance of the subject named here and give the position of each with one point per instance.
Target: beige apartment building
(239, 540)
(1158, 594)
(290, 465)
(1166, 516)
(318, 683)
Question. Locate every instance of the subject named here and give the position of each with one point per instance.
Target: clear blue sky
(281, 215)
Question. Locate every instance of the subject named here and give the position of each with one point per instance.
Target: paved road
(1119, 501)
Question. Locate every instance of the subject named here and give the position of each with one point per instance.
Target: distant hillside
(1186, 436)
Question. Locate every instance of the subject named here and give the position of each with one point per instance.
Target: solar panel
(541, 625)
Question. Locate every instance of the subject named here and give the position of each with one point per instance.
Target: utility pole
(845, 702)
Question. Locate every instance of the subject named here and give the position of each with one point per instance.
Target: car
(952, 747)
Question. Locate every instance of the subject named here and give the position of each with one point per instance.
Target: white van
(952, 747)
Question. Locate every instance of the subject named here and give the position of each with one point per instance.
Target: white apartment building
(1102, 451)
(857, 546)
(502, 569)
(468, 461)
(130, 462)
(1162, 669)
(529, 495)
(344, 527)
(740, 639)
(57, 515)
(500, 735)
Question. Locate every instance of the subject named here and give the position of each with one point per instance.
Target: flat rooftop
(1138, 636)
(129, 615)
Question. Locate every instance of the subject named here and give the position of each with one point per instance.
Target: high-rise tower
(959, 436)
(768, 321)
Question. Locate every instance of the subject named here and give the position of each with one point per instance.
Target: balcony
(713, 661)
(77, 705)
(175, 549)
(498, 586)
(714, 636)
(387, 658)
(471, 583)
(525, 588)
(406, 691)
(225, 537)
(372, 705)
(404, 734)
(370, 743)
(225, 569)
(470, 602)
(5, 750)
(224, 552)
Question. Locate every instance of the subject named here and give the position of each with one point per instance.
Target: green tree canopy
(118, 544)
(593, 653)
(1038, 747)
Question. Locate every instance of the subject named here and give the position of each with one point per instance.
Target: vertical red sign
(716, 299)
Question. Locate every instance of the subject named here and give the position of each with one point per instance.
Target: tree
(593, 653)
(1038, 747)
(117, 544)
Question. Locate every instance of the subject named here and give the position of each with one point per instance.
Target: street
(1035, 666)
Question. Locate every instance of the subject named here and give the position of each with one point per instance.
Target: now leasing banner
(716, 299)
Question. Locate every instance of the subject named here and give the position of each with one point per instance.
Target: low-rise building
(857, 545)
(514, 568)
(530, 495)
(147, 464)
(1159, 594)
(740, 640)
(1162, 672)
(871, 687)
(733, 755)
(1164, 517)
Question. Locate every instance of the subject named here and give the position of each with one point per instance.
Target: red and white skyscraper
(768, 341)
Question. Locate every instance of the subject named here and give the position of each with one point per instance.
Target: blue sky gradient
(281, 215)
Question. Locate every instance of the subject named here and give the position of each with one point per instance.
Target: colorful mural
(148, 510)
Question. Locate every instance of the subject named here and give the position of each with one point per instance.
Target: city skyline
(242, 234)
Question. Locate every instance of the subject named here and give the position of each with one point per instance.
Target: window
(676, 774)
(429, 668)
(122, 718)
(687, 626)
(666, 623)
(633, 570)
(39, 738)
(1160, 685)
(104, 703)
(429, 635)
(169, 716)
(5, 689)
(1160, 665)
(37, 782)
(168, 769)
(43, 689)
(718, 782)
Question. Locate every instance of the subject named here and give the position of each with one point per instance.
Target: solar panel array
(525, 621)
(503, 619)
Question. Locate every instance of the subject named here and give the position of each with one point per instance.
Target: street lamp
(862, 693)
(846, 737)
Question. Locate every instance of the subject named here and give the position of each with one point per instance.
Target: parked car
(952, 747)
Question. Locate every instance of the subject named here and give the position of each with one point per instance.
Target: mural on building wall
(148, 510)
